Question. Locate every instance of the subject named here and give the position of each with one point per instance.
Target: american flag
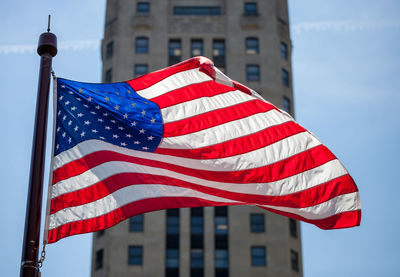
(186, 136)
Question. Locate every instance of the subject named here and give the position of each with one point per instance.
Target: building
(250, 42)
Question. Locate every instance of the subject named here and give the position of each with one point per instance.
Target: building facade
(250, 42)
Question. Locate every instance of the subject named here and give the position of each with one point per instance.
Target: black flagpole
(47, 49)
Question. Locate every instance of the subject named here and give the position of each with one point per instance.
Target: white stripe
(123, 197)
(173, 82)
(254, 159)
(292, 184)
(227, 131)
(204, 104)
(339, 204)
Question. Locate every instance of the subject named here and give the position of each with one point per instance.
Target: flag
(186, 136)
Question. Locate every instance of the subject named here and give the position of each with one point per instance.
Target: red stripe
(216, 117)
(152, 78)
(282, 169)
(337, 221)
(305, 198)
(239, 145)
(129, 210)
(190, 92)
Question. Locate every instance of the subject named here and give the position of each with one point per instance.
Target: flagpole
(47, 49)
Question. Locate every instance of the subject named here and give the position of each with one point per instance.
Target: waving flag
(186, 136)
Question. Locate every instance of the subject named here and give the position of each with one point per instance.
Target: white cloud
(73, 45)
(343, 26)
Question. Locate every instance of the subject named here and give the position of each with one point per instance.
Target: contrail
(72, 45)
(343, 26)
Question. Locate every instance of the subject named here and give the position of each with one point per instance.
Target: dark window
(196, 225)
(141, 69)
(284, 50)
(173, 222)
(253, 72)
(221, 225)
(108, 77)
(221, 258)
(99, 259)
(252, 46)
(293, 227)
(257, 224)
(221, 211)
(196, 258)
(250, 8)
(174, 51)
(172, 258)
(143, 7)
(285, 77)
(294, 260)
(219, 53)
(142, 45)
(109, 49)
(135, 255)
(286, 104)
(100, 233)
(197, 47)
(136, 223)
(258, 256)
(197, 10)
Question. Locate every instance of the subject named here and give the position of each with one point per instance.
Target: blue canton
(114, 113)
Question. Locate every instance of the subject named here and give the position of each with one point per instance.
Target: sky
(345, 66)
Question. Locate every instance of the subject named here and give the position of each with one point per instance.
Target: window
(251, 46)
(221, 258)
(136, 223)
(174, 51)
(109, 50)
(285, 77)
(253, 72)
(286, 107)
(219, 53)
(99, 259)
(250, 8)
(197, 10)
(173, 221)
(258, 256)
(294, 260)
(135, 255)
(100, 233)
(293, 227)
(221, 225)
(284, 50)
(196, 258)
(196, 225)
(143, 7)
(172, 258)
(142, 45)
(257, 224)
(141, 69)
(197, 47)
(108, 76)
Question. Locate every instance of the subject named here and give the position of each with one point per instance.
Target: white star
(80, 90)
(143, 112)
(73, 108)
(58, 129)
(59, 112)
(67, 103)
(61, 97)
(57, 146)
(100, 120)
(83, 134)
(107, 128)
(89, 99)
(145, 148)
(142, 131)
(63, 135)
(136, 142)
(94, 131)
(113, 121)
(69, 123)
(128, 135)
(150, 138)
(128, 91)
(69, 140)
(87, 122)
(103, 138)
(115, 136)
(153, 120)
(121, 128)
(70, 92)
(62, 86)
(64, 117)
(116, 107)
(125, 115)
(134, 123)
(105, 114)
(80, 114)
(76, 128)
(133, 104)
(107, 98)
(123, 144)
(93, 112)
(98, 107)
(77, 98)
(86, 106)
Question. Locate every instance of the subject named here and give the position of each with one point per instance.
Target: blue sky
(345, 65)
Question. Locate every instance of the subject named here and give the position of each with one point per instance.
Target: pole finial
(48, 24)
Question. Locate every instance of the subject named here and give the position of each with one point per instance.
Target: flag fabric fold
(186, 136)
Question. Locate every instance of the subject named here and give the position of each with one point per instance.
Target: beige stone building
(250, 41)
